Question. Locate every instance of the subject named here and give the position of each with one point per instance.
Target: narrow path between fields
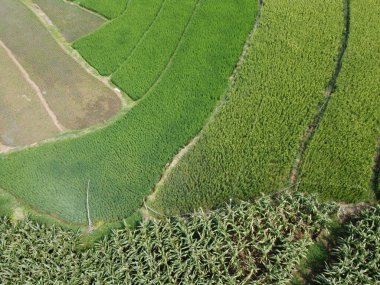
(177, 158)
(34, 86)
(311, 130)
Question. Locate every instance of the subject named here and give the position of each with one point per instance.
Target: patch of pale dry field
(23, 119)
(77, 98)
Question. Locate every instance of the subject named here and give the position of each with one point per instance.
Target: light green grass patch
(143, 67)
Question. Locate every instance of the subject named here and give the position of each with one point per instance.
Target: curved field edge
(248, 243)
(251, 145)
(178, 157)
(341, 160)
(124, 160)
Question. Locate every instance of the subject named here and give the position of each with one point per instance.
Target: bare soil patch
(77, 98)
(23, 119)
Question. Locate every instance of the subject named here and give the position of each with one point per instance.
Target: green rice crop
(108, 47)
(144, 65)
(356, 257)
(260, 243)
(251, 145)
(339, 161)
(124, 160)
(109, 9)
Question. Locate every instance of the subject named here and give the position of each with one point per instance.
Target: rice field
(260, 139)
(189, 142)
(252, 143)
(340, 161)
(107, 48)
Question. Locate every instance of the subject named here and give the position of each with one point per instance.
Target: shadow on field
(376, 173)
(321, 253)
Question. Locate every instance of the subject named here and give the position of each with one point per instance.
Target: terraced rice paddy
(128, 112)
(282, 101)
(110, 46)
(125, 160)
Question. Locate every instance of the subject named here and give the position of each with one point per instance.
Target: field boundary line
(182, 152)
(143, 36)
(34, 86)
(331, 86)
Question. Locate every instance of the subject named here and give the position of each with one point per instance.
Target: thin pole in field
(90, 228)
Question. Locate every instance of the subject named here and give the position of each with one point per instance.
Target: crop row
(260, 243)
(124, 160)
(339, 161)
(253, 142)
